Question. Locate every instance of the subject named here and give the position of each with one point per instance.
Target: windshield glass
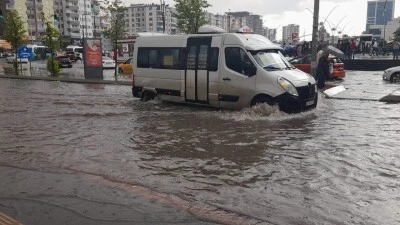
(69, 50)
(271, 59)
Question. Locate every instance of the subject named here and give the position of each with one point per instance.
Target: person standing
(322, 70)
(396, 46)
(353, 47)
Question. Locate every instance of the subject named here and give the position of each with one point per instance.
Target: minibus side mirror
(249, 69)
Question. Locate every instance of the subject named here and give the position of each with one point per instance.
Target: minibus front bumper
(307, 100)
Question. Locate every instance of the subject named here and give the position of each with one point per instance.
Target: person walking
(396, 46)
(322, 69)
(353, 47)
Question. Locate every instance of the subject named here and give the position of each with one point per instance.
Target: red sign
(93, 56)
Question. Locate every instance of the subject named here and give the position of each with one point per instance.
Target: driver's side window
(237, 60)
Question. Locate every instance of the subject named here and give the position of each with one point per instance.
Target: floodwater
(338, 164)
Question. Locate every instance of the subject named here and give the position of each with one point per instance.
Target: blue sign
(24, 52)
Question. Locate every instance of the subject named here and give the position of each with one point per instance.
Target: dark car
(71, 55)
(64, 61)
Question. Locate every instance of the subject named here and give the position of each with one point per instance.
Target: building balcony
(72, 29)
(75, 22)
(72, 6)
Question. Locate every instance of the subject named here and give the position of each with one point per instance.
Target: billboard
(92, 58)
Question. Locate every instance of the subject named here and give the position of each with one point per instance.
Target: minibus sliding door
(197, 74)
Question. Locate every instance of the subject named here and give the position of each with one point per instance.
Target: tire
(262, 99)
(120, 70)
(395, 77)
(148, 96)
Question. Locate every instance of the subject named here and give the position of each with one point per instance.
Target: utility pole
(116, 46)
(314, 40)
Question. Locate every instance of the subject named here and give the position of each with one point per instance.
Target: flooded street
(338, 164)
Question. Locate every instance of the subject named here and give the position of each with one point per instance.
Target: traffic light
(55, 18)
(1, 14)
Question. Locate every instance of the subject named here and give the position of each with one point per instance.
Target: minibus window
(270, 60)
(237, 60)
(213, 59)
(143, 58)
(170, 58)
(153, 58)
(203, 55)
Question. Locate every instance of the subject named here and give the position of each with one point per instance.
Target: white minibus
(219, 69)
(77, 52)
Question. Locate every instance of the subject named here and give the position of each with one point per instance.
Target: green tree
(50, 38)
(117, 29)
(14, 33)
(191, 14)
(396, 34)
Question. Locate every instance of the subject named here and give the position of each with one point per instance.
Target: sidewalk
(75, 75)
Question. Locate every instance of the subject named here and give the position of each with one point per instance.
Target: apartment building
(290, 33)
(252, 20)
(30, 12)
(226, 22)
(77, 19)
(149, 18)
(270, 33)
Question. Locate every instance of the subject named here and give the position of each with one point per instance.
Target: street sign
(24, 52)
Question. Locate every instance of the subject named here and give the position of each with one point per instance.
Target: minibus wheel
(148, 96)
(259, 99)
(395, 77)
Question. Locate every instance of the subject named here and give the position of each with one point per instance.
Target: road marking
(6, 220)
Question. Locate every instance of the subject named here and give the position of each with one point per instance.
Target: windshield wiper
(272, 68)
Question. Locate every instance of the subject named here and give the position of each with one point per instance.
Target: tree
(50, 38)
(191, 15)
(396, 34)
(117, 30)
(14, 33)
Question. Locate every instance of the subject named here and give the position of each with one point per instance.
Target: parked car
(11, 59)
(72, 55)
(64, 61)
(303, 63)
(392, 74)
(108, 63)
(126, 67)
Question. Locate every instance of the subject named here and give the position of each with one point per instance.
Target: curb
(391, 98)
(68, 80)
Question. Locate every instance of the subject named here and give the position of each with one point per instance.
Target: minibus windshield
(271, 60)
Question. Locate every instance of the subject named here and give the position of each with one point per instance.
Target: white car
(392, 74)
(11, 59)
(108, 63)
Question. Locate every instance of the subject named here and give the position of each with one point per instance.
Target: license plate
(310, 103)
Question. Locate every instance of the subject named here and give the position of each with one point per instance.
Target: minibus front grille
(306, 92)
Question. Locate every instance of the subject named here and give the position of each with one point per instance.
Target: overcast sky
(277, 13)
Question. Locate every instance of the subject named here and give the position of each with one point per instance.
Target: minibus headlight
(289, 87)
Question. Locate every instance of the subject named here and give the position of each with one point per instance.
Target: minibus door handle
(226, 78)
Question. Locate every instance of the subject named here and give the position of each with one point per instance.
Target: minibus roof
(250, 41)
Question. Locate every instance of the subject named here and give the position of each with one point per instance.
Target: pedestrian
(322, 70)
(396, 46)
(299, 50)
(363, 47)
(353, 47)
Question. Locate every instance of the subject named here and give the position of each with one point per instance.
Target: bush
(55, 65)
